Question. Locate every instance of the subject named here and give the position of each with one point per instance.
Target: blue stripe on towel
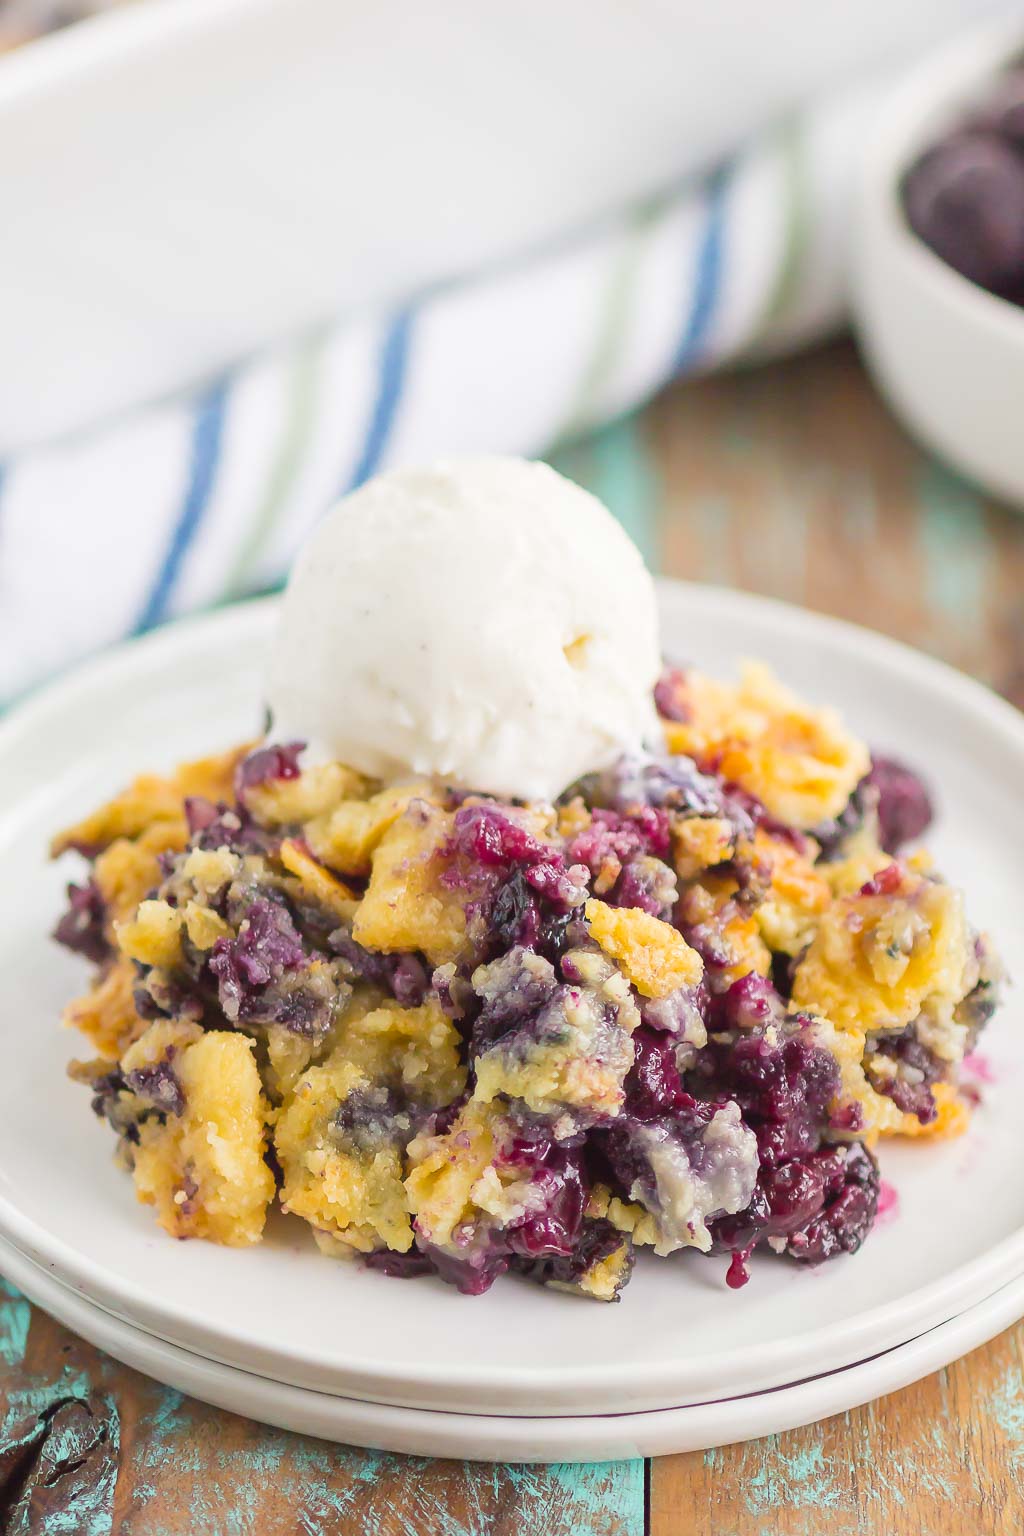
(207, 432)
(391, 370)
(707, 278)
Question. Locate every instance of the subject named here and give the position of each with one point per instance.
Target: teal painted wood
(15, 1315)
(958, 556)
(1006, 1405)
(617, 465)
(187, 1468)
(337, 1489)
(711, 527)
(955, 542)
(44, 1420)
(786, 1479)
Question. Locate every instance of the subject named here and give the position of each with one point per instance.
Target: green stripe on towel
(296, 433)
(612, 325)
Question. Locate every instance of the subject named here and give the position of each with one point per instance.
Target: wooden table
(792, 481)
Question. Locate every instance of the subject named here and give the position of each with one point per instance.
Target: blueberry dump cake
(463, 1032)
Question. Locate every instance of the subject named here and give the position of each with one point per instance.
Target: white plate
(485, 1437)
(679, 1335)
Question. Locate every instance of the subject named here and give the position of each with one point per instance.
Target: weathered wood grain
(942, 1458)
(187, 1469)
(795, 482)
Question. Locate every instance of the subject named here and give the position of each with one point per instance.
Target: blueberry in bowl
(938, 257)
(964, 195)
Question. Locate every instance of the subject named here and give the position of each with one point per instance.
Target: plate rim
(136, 651)
(415, 1431)
(929, 1305)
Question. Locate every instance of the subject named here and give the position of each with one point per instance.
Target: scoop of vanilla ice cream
(484, 621)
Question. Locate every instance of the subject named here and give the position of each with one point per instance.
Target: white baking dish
(183, 181)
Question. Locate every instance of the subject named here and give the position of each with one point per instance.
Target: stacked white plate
(280, 1333)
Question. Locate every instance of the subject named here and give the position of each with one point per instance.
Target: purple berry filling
(653, 1086)
(597, 1241)
(623, 1151)
(670, 695)
(850, 1200)
(220, 826)
(259, 974)
(268, 943)
(267, 764)
(904, 805)
(520, 890)
(917, 1070)
(159, 1085)
(624, 853)
(405, 976)
(724, 1054)
(371, 1119)
(550, 1230)
(472, 1274)
(127, 1099)
(519, 987)
(749, 1003)
(109, 1103)
(554, 1229)
(484, 835)
(811, 1208)
(667, 784)
(784, 1089)
(81, 927)
(519, 916)
(400, 1266)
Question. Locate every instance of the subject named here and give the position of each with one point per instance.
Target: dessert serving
(509, 948)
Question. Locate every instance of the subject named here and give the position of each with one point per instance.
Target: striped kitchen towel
(200, 499)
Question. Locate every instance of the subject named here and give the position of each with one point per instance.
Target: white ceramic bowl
(948, 356)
